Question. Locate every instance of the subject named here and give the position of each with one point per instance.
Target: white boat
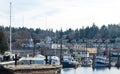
(54, 60)
(7, 63)
(101, 61)
(38, 59)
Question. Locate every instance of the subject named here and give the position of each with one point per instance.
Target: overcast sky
(59, 14)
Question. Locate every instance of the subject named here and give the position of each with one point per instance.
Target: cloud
(59, 14)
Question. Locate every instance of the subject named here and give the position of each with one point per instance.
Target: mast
(56, 44)
(10, 29)
(61, 58)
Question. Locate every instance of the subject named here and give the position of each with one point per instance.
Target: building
(28, 43)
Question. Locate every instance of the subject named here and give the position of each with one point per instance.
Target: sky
(57, 14)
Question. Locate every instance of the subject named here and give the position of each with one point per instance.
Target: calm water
(89, 70)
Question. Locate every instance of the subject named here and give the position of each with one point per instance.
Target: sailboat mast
(10, 29)
(61, 57)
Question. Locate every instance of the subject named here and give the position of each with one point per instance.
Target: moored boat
(87, 62)
(54, 60)
(69, 62)
(38, 59)
(101, 61)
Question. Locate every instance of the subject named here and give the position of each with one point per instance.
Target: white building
(31, 44)
(82, 53)
(48, 41)
(28, 43)
(58, 46)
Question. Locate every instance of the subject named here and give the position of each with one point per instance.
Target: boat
(87, 62)
(69, 62)
(38, 59)
(101, 61)
(54, 60)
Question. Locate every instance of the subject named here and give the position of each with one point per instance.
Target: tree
(3, 42)
(104, 32)
(94, 30)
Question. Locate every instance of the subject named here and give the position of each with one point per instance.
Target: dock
(35, 69)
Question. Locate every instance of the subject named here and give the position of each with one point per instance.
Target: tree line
(111, 31)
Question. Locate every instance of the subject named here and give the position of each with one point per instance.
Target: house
(92, 51)
(28, 43)
(81, 53)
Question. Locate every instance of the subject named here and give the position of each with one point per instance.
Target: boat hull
(86, 65)
(68, 64)
(101, 65)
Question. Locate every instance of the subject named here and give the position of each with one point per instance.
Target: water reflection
(67, 69)
(89, 70)
(100, 69)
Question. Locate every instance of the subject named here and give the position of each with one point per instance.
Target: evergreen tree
(3, 42)
(104, 32)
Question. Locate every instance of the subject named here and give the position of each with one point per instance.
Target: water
(89, 70)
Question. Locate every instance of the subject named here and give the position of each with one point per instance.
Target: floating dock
(35, 69)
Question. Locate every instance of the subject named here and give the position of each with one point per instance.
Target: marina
(90, 50)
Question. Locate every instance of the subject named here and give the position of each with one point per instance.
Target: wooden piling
(118, 61)
(109, 59)
(93, 63)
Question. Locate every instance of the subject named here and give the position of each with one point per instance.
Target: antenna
(46, 22)
(10, 28)
(23, 21)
